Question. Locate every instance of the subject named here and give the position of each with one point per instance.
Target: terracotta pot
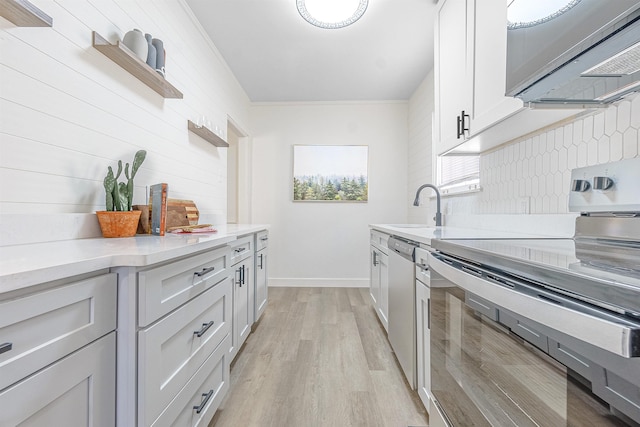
(118, 224)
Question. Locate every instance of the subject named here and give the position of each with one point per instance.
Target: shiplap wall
(67, 111)
(420, 152)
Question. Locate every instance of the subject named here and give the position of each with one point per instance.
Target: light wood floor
(318, 357)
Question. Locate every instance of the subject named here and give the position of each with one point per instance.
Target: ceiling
(278, 57)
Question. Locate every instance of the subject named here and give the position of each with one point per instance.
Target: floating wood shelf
(207, 135)
(124, 57)
(24, 14)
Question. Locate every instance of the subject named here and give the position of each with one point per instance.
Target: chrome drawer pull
(240, 250)
(204, 271)
(202, 404)
(4, 347)
(264, 238)
(202, 331)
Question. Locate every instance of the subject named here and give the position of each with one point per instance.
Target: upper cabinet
(472, 113)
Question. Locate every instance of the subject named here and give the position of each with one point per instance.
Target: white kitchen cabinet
(379, 276)
(454, 67)
(472, 113)
(242, 262)
(198, 401)
(261, 293)
(57, 353)
(172, 317)
(171, 350)
(423, 332)
(78, 390)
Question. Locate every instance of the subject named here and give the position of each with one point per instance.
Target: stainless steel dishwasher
(402, 320)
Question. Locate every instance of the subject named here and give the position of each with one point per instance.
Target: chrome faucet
(416, 202)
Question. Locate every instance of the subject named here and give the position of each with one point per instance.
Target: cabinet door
(261, 287)
(453, 66)
(383, 306)
(423, 342)
(374, 279)
(242, 303)
(490, 105)
(79, 390)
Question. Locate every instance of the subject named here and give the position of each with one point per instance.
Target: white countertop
(30, 264)
(424, 234)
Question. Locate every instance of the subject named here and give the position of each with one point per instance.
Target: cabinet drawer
(379, 240)
(203, 393)
(43, 327)
(170, 351)
(262, 240)
(241, 249)
(79, 390)
(165, 288)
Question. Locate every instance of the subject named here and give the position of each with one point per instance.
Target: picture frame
(330, 173)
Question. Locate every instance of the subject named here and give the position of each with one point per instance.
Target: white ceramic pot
(137, 43)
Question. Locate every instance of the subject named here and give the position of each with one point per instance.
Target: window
(458, 173)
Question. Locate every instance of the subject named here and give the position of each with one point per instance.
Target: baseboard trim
(318, 282)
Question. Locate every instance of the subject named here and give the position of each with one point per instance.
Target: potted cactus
(119, 220)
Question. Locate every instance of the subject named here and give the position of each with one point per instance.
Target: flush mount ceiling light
(331, 14)
(526, 13)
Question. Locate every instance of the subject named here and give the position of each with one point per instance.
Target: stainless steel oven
(543, 332)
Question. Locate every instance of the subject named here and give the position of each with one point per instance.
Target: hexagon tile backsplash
(532, 174)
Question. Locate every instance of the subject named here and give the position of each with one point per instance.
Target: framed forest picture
(330, 173)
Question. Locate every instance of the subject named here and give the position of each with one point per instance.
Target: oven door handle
(620, 339)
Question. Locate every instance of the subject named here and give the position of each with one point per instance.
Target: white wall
(325, 243)
(531, 173)
(68, 111)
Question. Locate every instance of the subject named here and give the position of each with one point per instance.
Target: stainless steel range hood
(589, 55)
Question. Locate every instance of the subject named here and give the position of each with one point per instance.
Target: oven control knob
(602, 183)
(580, 185)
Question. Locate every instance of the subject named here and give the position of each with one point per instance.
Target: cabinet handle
(240, 250)
(204, 271)
(429, 313)
(375, 258)
(4, 347)
(261, 266)
(239, 278)
(458, 129)
(264, 239)
(465, 125)
(242, 275)
(202, 404)
(203, 330)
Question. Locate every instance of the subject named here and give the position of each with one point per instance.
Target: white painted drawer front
(48, 325)
(241, 249)
(170, 351)
(167, 287)
(380, 240)
(79, 390)
(204, 392)
(262, 240)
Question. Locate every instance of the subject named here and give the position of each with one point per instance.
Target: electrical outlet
(523, 205)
